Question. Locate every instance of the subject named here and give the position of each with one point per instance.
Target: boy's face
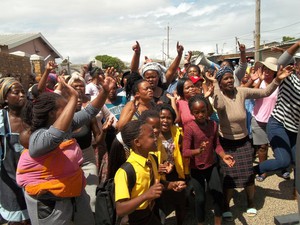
(147, 139)
(155, 124)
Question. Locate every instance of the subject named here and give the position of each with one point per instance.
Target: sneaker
(286, 175)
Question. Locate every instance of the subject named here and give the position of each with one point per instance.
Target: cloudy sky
(83, 29)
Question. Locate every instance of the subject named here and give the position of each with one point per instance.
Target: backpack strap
(131, 176)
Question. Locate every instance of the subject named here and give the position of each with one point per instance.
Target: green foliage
(287, 38)
(109, 61)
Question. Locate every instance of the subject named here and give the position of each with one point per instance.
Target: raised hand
(179, 48)
(68, 90)
(108, 123)
(147, 60)
(51, 65)
(209, 91)
(257, 74)
(211, 77)
(136, 47)
(110, 71)
(108, 83)
(242, 47)
(284, 72)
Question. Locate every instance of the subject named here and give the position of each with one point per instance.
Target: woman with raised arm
(49, 170)
(230, 104)
(84, 136)
(282, 127)
(155, 74)
(143, 100)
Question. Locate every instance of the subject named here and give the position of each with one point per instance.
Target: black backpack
(105, 208)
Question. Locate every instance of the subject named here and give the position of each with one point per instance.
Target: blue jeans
(283, 143)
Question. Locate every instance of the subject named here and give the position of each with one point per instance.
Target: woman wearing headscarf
(155, 73)
(230, 104)
(12, 100)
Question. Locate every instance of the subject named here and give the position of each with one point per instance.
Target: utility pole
(168, 41)
(236, 44)
(163, 50)
(257, 31)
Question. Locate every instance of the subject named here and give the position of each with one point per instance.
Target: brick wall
(19, 67)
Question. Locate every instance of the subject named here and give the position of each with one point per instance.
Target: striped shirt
(287, 107)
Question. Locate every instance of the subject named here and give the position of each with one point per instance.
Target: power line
(283, 27)
(242, 35)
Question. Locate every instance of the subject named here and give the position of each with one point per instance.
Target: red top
(192, 139)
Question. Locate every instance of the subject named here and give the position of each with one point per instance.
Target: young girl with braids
(49, 170)
(176, 167)
(200, 144)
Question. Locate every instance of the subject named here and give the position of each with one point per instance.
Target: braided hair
(150, 113)
(198, 98)
(131, 85)
(45, 103)
(170, 109)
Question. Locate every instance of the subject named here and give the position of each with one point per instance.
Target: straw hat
(269, 62)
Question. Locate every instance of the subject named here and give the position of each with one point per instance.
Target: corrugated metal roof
(14, 40)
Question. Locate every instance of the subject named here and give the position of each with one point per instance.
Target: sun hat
(270, 62)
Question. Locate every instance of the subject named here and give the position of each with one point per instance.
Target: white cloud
(82, 29)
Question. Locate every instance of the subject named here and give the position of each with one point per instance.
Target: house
(24, 56)
(28, 44)
(264, 52)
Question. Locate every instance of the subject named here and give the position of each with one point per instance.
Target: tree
(109, 61)
(287, 38)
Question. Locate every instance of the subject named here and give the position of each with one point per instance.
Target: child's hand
(228, 159)
(166, 167)
(169, 167)
(203, 146)
(178, 185)
(154, 191)
(162, 168)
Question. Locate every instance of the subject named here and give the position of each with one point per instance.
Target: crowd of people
(186, 132)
